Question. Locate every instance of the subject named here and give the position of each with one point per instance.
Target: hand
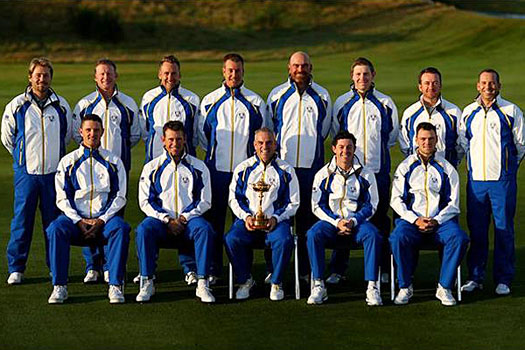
(249, 222)
(84, 225)
(176, 226)
(426, 224)
(345, 227)
(271, 224)
(96, 228)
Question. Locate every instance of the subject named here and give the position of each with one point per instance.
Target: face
(91, 132)
(488, 86)
(265, 146)
(344, 153)
(40, 79)
(300, 68)
(363, 78)
(233, 73)
(426, 141)
(174, 142)
(105, 77)
(169, 75)
(430, 86)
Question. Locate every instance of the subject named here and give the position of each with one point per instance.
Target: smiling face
(169, 75)
(300, 68)
(344, 153)
(363, 78)
(91, 132)
(488, 86)
(426, 141)
(174, 142)
(233, 73)
(265, 145)
(430, 87)
(106, 77)
(40, 81)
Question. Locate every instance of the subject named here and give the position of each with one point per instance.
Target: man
(174, 192)
(279, 204)
(168, 101)
(36, 127)
(91, 189)
(372, 117)
(119, 115)
(301, 113)
(493, 137)
(229, 117)
(425, 195)
(432, 108)
(344, 198)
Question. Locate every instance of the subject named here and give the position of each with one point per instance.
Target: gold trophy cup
(261, 221)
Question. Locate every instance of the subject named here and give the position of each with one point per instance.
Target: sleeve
(369, 200)
(202, 192)
(267, 120)
(327, 122)
(75, 123)
(149, 201)
(142, 119)
(335, 120)
(135, 129)
(203, 141)
(237, 197)
(70, 132)
(459, 148)
(519, 133)
(196, 117)
(9, 127)
(403, 138)
(65, 192)
(320, 199)
(395, 124)
(293, 198)
(462, 133)
(396, 201)
(119, 200)
(452, 192)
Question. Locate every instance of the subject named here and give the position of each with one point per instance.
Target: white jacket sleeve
(519, 133)
(147, 196)
(462, 133)
(142, 119)
(199, 205)
(65, 192)
(203, 141)
(459, 148)
(403, 138)
(392, 137)
(135, 129)
(396, 200)
(327, 122)
(452, 208)
(320, 201)
(293, 204)
(75, 124)
(237, 200)
(120, 198)
(9, 127)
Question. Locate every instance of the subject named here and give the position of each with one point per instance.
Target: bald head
(300, 68)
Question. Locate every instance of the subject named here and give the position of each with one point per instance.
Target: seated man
(425, 195)
(174, 192)
(91, 188)
(279, 204)
(344, 198)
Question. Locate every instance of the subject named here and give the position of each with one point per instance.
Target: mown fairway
(458, 43)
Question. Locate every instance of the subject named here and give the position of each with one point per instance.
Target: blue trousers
(240, 242)
(152, 234)
(29, 190)
(406, 240)
(339, 259)
(324, 235)
(499, 199)
(62, 233)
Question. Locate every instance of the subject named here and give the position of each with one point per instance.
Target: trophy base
(260, 224)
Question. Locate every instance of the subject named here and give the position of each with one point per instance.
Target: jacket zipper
(363, 116)
(299, 129)
(92, 183)
(232, 128)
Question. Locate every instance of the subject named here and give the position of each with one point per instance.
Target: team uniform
(301, 124)
(494, 140)
(372, 119)
(36, 134)
(158, 107)
(228, 120)
(280, 202)
(445, 116)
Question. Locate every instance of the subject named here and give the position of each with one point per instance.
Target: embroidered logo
(114, 119)
(310, 109)
(373, 118)
(185, 180)
(240, 115)
(178, 114)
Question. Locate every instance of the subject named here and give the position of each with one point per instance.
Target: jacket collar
(356, 166)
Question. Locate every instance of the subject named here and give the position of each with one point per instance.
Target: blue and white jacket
(445, 116)
(430, 190)
(120, 120)
(35, 137)
(301, 123)
(170, 190)
(493, 139)
(373, 120)
(90, 183)
(337, 195)
(158, 107)
(280, 202)
(227, 124)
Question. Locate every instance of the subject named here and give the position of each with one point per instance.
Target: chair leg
(296, 269)
(459, 282)
(392, 278)
(230, 281)
(378, 282)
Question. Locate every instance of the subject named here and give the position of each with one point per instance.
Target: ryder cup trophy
(261, 221)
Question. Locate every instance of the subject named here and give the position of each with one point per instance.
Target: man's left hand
(272, 222)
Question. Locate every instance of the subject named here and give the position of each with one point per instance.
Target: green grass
(402, 40)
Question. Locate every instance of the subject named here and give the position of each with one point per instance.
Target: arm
(9, 127)
(237, 194)
(397, 200)
(134, 129)
(75, 123)
(369, 199)
(403, 138)
(519, 133)
(203, 141)
(149, 201)
(320, 199)
(65, 192)
(292, 194)
(327, 122)
(450, 190)
(392, 137)
(117, 199)
(201, 194)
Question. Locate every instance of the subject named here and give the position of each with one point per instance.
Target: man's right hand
(176, 227)
(344, 227)
(425, 225)
(84, 225)
(249, 222)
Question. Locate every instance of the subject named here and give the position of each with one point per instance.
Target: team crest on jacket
(373, 118)
(310, 109)
(353, 189)
(493, 125)
(50, 117)
(114, 118)
(178, 114)
(185, 180)
(240, 115)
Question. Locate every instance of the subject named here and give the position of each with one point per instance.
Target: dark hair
(235, 57)
(107, 62)
(174, 125)
(489, 70)
(92, 117)
(170, 59)
(361, 61)
(431, 70)
(426, 126)
(344, 135)
(40, 61)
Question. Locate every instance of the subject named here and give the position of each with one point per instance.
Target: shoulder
(449, 106)
(406, 164)
(383, 97)
(251, 95)
(410, 110)
(471, 107)
(17, 101)
(189, 95)
(151, 94)
(320, 90)
(126, 99)
(278, 91)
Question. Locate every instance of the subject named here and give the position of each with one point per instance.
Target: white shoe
(204, 292)
(136, 279)
(502, 289)
(212, 280)
(384, 278)
(276, 292)
(15, 278)
(334, 278)
(58, 295)
(106, 276)
(190, 278)
(445, 295)
(404, 295)
(373, 297)
(115, 294)
(318, 294)
(91, 276)
(268, 278)
(244, 289)
(147, 291)
(471, 286)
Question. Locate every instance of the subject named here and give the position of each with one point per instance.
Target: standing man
(372, 117)
(301, 113)
(168, 101)
(279, 204)
(91, 189)
(432, 108)
(119, 115)
(36, 127)
(174, 192)
(425, 195)
(493, 137)
(229, 117)
(344, 198)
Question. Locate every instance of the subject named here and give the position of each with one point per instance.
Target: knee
(56, 228)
